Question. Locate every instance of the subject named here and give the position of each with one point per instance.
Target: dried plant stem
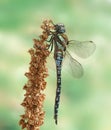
(33, 117)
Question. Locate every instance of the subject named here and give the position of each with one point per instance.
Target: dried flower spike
(33, 117)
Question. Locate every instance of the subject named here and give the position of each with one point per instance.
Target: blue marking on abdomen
(58, 89)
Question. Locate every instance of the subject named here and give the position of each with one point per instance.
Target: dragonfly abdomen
(59, 57)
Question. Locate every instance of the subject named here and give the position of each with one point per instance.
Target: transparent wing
(74, 66)
(82, 49)
(51, 63)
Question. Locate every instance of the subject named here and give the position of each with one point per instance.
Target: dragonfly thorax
(60, 28)
(59, 46)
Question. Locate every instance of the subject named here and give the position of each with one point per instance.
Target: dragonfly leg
(51, 46)
(50, 40)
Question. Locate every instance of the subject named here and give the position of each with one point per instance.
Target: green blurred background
(85, 103)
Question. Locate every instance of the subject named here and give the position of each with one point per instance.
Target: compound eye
(60, 28)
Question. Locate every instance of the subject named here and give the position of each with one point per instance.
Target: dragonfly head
(60, 28)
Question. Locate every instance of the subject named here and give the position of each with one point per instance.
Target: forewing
(74, 66)
(82, 49)
(51, 63)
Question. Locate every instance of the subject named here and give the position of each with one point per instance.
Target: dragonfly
(59, 42)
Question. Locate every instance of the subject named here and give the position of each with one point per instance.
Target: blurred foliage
(85, 103)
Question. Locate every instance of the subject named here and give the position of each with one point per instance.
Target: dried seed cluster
(33, 117)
